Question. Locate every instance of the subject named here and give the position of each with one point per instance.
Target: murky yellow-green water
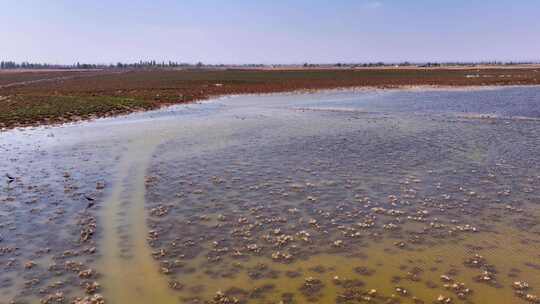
(334, 197)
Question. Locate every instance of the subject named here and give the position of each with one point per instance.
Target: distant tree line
(152, 64)
(78, 65)
(432, 64)
(25, 65)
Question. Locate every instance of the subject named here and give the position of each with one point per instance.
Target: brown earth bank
(51, 97)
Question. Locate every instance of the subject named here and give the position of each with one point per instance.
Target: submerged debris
(95, 299)
(221, 298)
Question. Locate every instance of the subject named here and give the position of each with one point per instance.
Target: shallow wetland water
(396, 196)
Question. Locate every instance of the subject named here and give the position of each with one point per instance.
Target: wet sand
(333, 197)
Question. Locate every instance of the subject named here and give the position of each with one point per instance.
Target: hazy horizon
(269, 32)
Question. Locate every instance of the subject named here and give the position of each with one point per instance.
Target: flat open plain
(32, 98)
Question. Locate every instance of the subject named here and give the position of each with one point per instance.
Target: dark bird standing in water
(91, 201)
(10, 178)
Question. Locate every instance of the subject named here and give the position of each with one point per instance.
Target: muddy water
(335, 197)
(126, 258)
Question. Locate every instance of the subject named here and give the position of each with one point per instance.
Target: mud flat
(395, 196)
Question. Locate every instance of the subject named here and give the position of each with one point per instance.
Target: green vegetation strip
(28, 109)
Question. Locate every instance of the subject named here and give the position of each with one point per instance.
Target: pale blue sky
(269, 31)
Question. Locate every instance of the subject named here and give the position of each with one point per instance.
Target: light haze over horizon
(264, 31)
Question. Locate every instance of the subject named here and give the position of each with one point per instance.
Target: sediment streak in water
(130, 273)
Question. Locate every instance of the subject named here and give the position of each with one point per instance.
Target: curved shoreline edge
(62, 120)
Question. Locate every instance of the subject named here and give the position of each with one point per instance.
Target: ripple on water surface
(337, 197)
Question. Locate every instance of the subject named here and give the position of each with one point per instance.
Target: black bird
(10, 178)
(91, 201)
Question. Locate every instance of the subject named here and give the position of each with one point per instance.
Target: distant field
(13, 77)
(29, 98)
